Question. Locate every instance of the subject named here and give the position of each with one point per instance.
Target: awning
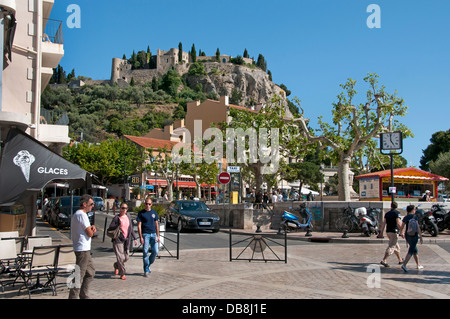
(185, 184)
(27, 165)
(158, 182)
(306, 191)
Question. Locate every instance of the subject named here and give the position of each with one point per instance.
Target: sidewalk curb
(333, 238)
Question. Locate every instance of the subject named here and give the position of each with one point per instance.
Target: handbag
(113, 233)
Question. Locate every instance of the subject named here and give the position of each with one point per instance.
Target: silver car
(191, 214)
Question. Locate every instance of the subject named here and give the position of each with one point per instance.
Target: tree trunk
(258, 176)
(344, 182)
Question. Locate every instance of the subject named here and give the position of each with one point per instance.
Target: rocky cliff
(221, 78)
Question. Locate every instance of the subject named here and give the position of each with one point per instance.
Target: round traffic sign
(224, 178)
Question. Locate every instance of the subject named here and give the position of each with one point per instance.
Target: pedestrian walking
(411, 238)
(274, 197)
(122, 244)
(392, 224)
(82, 232)
(265, 200)
(148, 227)
(258, 200)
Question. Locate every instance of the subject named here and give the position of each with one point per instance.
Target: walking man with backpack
(412, 234)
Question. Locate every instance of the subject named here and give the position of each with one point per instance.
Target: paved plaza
(314, 270)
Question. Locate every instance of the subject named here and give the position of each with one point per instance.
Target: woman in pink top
(122, 244)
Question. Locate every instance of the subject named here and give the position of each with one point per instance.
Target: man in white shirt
(279, 197)
(82, 232)
(274, 197)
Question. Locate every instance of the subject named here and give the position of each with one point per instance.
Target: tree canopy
(355, 127)
(440, 143)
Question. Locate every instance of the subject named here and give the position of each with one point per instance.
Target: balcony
(52, 43)
(53, 127)
(47, 6)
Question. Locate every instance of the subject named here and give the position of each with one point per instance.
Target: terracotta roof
(153, 143)
(408, 173)
(234, 106)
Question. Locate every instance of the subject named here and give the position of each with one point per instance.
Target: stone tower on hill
(159, 64)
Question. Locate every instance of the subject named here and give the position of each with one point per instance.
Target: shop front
(185, 185)
(409, 183)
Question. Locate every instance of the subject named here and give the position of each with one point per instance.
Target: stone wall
(324, 214)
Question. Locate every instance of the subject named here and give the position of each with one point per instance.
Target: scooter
(427, 222)
(441, 216)
(368, 220)
(290, 222)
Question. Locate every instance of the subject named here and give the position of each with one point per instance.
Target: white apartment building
(32, 46)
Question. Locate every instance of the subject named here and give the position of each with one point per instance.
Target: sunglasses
(148, 203)
(123, 207)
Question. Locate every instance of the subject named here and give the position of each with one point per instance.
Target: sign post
(224, 178)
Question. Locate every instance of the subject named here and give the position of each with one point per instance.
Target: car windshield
(65, 201)
(193, 206)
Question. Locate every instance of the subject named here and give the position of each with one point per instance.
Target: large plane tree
(355, 127)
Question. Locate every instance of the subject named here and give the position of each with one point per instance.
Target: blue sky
(310, 46)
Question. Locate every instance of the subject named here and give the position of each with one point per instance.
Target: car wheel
(180, 226)
(168, 223)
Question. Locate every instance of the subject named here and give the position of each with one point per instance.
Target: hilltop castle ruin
(159, 64)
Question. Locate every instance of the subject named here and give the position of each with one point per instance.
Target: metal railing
(54, 117)
(257, 248)
(53, 31)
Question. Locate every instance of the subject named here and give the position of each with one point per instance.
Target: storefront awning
(183, 184)
(27, 165)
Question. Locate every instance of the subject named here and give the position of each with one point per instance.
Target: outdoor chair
(8, 234)
(41, 264)
(20, 243)
(66, 261)
(36, 242)
(10, 262)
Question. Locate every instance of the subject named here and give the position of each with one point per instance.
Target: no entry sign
(224, 178)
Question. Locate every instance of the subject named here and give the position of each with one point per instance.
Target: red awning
(158, 182)
(185, 184)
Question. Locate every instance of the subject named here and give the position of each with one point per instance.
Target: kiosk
(410, 183)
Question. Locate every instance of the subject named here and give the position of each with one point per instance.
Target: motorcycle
(427, 222)
(441, 216)
(290, 222)
(368, 220)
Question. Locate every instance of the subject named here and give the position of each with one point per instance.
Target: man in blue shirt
(148, 228)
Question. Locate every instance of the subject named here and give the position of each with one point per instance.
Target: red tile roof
(152, 143)
(408, 172)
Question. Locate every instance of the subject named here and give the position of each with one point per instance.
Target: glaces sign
(25, 159)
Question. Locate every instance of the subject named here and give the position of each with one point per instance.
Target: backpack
(413, 227)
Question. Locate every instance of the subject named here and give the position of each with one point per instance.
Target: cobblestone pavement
(313, 271)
